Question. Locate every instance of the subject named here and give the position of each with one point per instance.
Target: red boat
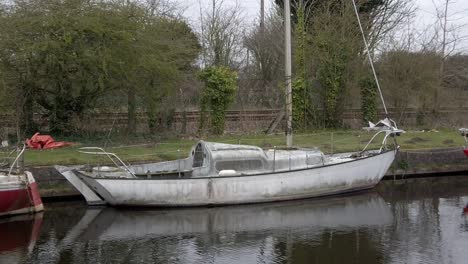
(464, 133)
(19, 194)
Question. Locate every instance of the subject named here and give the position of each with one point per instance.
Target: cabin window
(239, 165)
(198, 156)
(314, 159)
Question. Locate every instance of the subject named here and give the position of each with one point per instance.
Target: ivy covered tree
(300, 94)
(368, 99)
(217, 95)
(327, 37)
(60, 56)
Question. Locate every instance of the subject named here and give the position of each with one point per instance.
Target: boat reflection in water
(343, 212)
(233, 234)
(18, 235)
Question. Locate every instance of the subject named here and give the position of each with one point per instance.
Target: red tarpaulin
(44, 142)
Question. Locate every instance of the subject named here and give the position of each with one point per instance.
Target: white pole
(262, 16)
(287, 52)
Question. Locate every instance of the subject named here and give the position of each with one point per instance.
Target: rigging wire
(369, 57)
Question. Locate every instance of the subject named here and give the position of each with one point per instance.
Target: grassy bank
(158, 150)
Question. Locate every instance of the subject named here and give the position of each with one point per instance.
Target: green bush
(368, 99)
(218, 93)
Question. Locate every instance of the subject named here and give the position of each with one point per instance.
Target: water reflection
(272, 232)
(410, 223)
(18, 236)
(314, 215)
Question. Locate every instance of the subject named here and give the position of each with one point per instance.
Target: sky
(425, 13)
(250, 8)
(458, 18)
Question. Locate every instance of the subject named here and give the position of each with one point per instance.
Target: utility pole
(262, 16)
(287, 52)
(202, 35)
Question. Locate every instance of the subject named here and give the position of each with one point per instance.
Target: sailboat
(19, 193)
(226, 174)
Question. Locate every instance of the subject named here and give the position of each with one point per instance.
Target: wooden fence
(236, 120)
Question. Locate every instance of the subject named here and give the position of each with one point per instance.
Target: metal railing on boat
(16, 159)
(110, 155)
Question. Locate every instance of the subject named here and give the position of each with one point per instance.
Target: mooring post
(178, 158)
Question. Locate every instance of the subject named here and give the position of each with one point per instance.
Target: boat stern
(35, 197)
(91, 197)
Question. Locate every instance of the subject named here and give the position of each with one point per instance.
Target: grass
(158, 150)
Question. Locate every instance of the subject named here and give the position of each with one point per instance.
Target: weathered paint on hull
(20, 197)
(276, 186)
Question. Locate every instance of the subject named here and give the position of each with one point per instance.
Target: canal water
(412, 221)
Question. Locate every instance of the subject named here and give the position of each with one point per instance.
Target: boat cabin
(208, 159)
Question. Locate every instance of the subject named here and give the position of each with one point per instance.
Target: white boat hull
(90, 196)
(331, 179)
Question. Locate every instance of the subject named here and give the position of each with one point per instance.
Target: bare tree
(388, 17)
(432, 58)
(265, 67)
(447, 37)
(221, 34)
(163, 8)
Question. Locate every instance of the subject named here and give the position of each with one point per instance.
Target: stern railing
(387, 126)
(112, 156)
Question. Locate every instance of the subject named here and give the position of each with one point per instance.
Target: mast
(287, 53)
(369, 56)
